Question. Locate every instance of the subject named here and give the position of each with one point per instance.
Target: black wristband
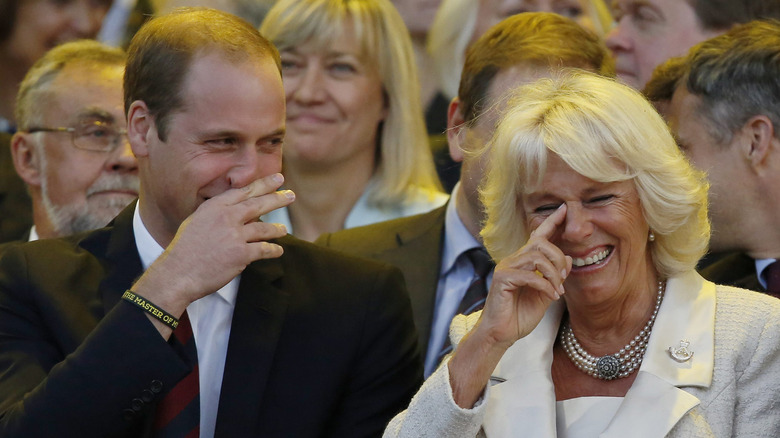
(163, 316)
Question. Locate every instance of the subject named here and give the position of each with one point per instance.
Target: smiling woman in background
(588, 199)
(356, 150)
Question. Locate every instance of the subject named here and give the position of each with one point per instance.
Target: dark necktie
(772, 277)
(476, 294)
(178, 414)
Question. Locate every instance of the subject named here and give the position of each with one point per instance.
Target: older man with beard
(71, 148)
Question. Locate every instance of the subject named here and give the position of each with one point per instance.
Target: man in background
(648, 32)
(71, 149)
(724, 110)
(441, 252)
(28, 29)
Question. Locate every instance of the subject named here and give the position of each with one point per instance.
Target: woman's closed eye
(601, 199)
(547, 208)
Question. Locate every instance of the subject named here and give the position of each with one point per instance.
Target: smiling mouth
(593, 260)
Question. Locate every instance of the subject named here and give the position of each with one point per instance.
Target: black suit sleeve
(54, 382)
(388, 370)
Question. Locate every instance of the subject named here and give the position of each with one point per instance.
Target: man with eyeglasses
(71, 148)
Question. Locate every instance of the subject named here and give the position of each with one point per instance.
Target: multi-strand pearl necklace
(611, 366)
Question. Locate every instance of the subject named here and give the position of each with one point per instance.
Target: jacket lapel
(423, 241)
(257, 320)
(656, 402)
(525, 400)
(522, 397)
(116, 248)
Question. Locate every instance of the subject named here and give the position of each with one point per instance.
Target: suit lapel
(525, 398)
(423, 240)
(656, 402)
(650, 409)
(257, 319)
(119, 256)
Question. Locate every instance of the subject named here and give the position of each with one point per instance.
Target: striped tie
(476, 294)
(178, 414)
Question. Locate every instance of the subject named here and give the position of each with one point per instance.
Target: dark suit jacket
(321, 344)
(15, 203)
(736, 269)
(414, 244)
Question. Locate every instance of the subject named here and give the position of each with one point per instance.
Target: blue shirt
(455, 276)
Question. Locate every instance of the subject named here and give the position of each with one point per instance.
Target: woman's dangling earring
(651, 236)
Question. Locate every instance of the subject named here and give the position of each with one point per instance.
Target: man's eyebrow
(278, 133)
(95, 113)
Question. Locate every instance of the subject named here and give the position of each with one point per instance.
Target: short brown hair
(161, 52)
(723, 14)
(660, 88)
(736, 77)
(540, 39)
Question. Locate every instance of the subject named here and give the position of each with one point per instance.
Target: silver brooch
(682, 353)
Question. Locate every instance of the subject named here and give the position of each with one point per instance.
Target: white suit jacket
(730, 387)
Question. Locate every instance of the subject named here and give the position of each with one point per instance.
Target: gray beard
(71, 219)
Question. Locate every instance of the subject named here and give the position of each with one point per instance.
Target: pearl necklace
(611, 366)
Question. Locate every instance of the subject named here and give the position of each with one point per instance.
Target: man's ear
(456, 130)
(140, 126)
(760, 133)
(26, 158)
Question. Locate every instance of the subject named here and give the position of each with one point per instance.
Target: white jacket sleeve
(433, 412)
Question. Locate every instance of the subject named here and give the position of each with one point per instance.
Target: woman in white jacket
(598, 325)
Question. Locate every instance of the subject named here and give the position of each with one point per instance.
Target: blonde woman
(356, 150)
(596, 322)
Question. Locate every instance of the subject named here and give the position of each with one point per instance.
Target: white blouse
(585, 417)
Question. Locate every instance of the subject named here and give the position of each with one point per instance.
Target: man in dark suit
(723, 109)
(431, 248)
(289, 339)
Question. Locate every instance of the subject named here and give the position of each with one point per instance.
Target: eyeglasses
(95, 136)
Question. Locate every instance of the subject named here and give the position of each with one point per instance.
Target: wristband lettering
(151, 309)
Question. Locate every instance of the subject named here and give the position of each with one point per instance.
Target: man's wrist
(152, 309)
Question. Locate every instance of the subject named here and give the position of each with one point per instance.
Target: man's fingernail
(288, 194)
(278, 178)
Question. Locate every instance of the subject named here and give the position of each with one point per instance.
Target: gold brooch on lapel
(682, 353)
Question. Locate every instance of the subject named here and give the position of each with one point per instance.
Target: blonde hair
(604, 131)
(405, 161)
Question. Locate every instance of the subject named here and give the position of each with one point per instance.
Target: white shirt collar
(762, 264)
(33, 234)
